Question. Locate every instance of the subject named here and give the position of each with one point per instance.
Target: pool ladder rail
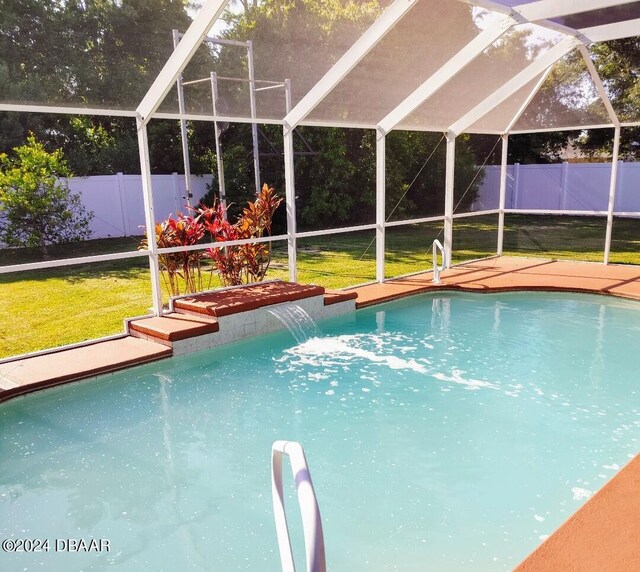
(311, 520)
(437, 246)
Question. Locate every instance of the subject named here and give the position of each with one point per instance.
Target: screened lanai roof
(437, 65)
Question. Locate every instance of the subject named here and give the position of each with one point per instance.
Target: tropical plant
(245, 263)
(183, 267)
(183, 271)
(37, 208)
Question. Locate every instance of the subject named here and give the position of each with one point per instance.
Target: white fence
(118, 205)
(564, 186)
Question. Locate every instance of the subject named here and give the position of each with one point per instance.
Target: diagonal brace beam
(348, 61)
(545, 9)
(180, 57)
(514, 84)
(602, 92)
(456, 64)
(615, 31)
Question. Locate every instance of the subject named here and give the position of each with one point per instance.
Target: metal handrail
(311, 521)
(437, 269)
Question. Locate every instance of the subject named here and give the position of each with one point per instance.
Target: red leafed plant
(245, 263)
(235, 265)
(185, 265)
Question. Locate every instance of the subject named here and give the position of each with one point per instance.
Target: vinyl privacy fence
(118, 205)
(563, 186)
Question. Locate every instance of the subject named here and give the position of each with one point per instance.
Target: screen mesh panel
(501, 116)
(72, 303)
(509, 55)
(474, 237)
(290, 40)
(477, 176)
(106, 55)
(568, 98)
(617, 63)
(555, 236)
(416, 48)
(339, 260)
(625, 237)
(408, 248)
(415, 175)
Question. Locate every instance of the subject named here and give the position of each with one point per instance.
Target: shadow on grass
(121, 269)
(10, 256)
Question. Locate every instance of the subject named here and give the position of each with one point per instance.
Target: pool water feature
(445, 432)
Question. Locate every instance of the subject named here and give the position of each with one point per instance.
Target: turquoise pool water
(449, 432)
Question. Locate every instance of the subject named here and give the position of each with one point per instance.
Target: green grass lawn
(65, 305)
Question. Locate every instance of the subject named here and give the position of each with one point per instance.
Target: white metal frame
(380, 203)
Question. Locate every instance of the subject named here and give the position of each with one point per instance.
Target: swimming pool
(445, 432)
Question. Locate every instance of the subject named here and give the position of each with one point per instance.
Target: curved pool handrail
(437, 245)
(311, 521)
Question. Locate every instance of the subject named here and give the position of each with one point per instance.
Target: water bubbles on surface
(580, 493)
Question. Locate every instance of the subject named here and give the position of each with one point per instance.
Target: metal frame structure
(540, 12)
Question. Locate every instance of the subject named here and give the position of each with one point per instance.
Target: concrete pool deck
(502, 274)
(602, 536)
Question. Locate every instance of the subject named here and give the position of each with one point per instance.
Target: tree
(36, 206)
(102, 53)
(618, 62)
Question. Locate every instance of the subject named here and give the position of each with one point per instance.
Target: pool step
(237, 300)
(173, 327)
(207, 320)
(24, 375)
(336, 296)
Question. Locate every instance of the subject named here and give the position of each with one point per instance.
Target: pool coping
(596, 537)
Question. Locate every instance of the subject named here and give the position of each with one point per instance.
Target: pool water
(444, 432)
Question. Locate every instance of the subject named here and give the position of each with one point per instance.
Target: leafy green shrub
(37, 208)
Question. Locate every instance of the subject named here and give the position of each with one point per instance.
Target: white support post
(190, 42)
(456, 64)
(290, 200)
(149, 217)
(516, 187)
(448, 197)
(612, 193)
(254, 114)
(503, 192)
(183, 127)
(503, 93)
(123, 202)
(222, 191)
(380, 204)
(287, 95)
(564, 185)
